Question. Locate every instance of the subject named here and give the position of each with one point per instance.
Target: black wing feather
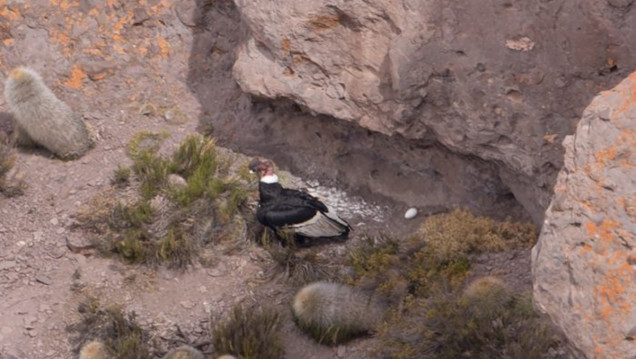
(279, 215)
(305, 198)
(282, 206)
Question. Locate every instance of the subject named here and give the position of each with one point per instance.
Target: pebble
(7, 264)
(410, 213)
(187, 304)
(177, 180)
(43, 279)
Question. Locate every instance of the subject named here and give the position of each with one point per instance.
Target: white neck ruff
(269, 179)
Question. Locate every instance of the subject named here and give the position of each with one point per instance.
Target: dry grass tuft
(297, 267)
(145, 219)
(461, 232)
(423, 277)
(123, 338)
(121, 177)
(251, 333)
(492, 323)
(8, 186)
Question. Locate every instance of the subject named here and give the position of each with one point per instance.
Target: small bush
(437, 257)
(489, 324)
(121, 177)
(460, 232)
(8, 186)
(249, 334)
(167, 223)
(119, 331)
(7, 157)
(424, 276)
(298, 268)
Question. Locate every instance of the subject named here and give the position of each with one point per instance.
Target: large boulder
(501, 80)
(584, 264)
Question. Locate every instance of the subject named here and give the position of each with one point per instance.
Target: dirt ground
(112, 61)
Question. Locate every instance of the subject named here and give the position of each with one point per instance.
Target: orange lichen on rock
(611, 293)
(605, 230)
(76, 80)
(164, 47)
(118, 25)
(285, 45)
(64, 4)
(585, 248)
(321, 23)
(605, 155)
(10, 13)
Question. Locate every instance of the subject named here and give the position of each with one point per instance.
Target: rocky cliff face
(584, 265)
(502, 80)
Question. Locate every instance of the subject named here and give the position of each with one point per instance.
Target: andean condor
(287, 210)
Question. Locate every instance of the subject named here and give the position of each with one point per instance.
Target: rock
(521, 44)
(175, 116)
(147, 109)
(428, 69)
(584, 263)
(187, 304)
(5, 264)
(43, 279)
(187, 13)
(177, 181)
(620, 3)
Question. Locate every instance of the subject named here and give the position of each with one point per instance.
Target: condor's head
(264, 168)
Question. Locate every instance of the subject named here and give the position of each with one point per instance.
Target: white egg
(410, 213)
